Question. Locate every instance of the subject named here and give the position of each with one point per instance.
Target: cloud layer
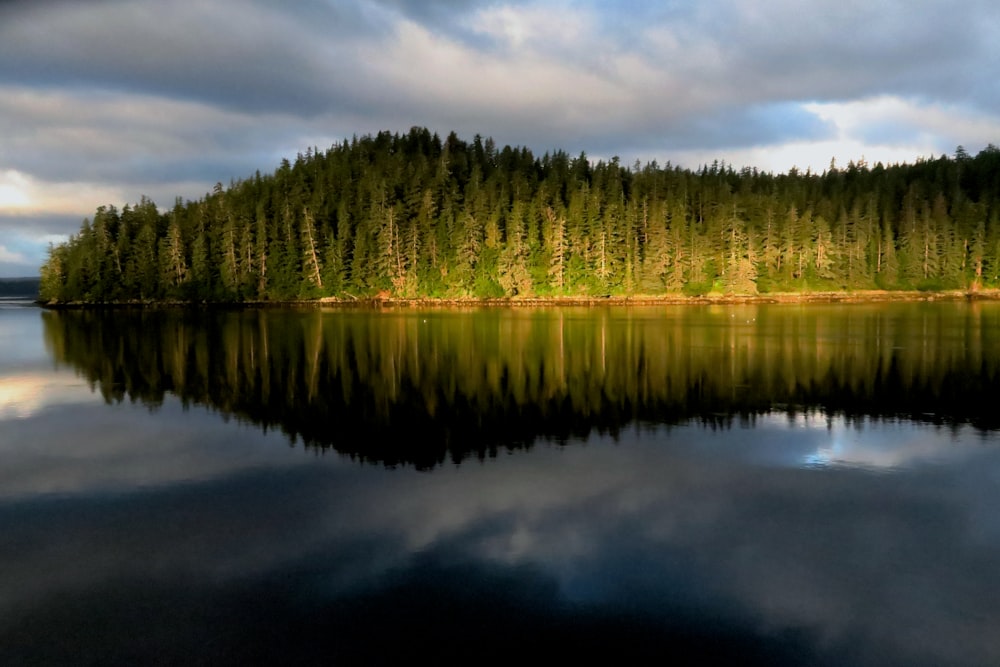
(104, 101)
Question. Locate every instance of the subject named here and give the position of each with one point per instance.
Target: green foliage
(412, 215)
(936, 284)
(700, 288)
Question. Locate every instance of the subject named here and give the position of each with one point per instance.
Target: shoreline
(866, 296)
(859, 296)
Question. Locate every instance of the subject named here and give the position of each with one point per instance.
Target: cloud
(572, 75)
(9, 257)
(26, 197)
(12, 190)
(26, 238)
(886, 129)
(893, 121)
(657, 524)
(237, 56)
(62, 135)
(837, 50)
(24, 395)
(529, 69)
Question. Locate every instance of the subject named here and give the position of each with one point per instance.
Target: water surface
(771, 484)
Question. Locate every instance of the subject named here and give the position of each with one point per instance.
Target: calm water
(779, 485)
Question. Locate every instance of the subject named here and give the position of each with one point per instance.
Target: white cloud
(25, 395)
(539, 28)
(886, 129)
(10, 257)
(445, 77)
(936, 126)
(13, 196)
(21, 194)
(814, 156)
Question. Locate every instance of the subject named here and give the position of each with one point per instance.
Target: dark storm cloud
(247, 57)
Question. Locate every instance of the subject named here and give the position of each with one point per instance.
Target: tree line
(414, 216)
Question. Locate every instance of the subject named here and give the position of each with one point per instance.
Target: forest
(413, 216)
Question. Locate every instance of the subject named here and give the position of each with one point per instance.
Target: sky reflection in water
(789, 539)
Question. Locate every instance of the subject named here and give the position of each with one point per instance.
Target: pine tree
(419, 216)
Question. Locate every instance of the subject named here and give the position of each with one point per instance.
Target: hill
(26, 288)
(416, 216)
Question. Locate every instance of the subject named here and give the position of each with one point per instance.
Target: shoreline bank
(861, 296)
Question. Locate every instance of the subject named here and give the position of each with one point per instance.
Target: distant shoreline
(25, 287)
(860, 296)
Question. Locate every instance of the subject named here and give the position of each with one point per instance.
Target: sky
(103, 102)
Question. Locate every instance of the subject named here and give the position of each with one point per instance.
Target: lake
(754, 484)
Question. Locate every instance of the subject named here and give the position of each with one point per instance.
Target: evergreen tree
(414, 216)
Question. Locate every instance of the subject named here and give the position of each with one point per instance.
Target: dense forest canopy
(412, 215)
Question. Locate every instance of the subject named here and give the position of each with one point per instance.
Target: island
(414, 218)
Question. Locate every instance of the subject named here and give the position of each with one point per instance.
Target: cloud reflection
(25, 395)
(863, 442)
(674, 527)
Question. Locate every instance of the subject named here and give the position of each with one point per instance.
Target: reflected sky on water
(186, 530)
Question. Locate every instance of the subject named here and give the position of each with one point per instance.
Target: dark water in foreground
(779, 485)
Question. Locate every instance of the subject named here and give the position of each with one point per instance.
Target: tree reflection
(421, 387)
